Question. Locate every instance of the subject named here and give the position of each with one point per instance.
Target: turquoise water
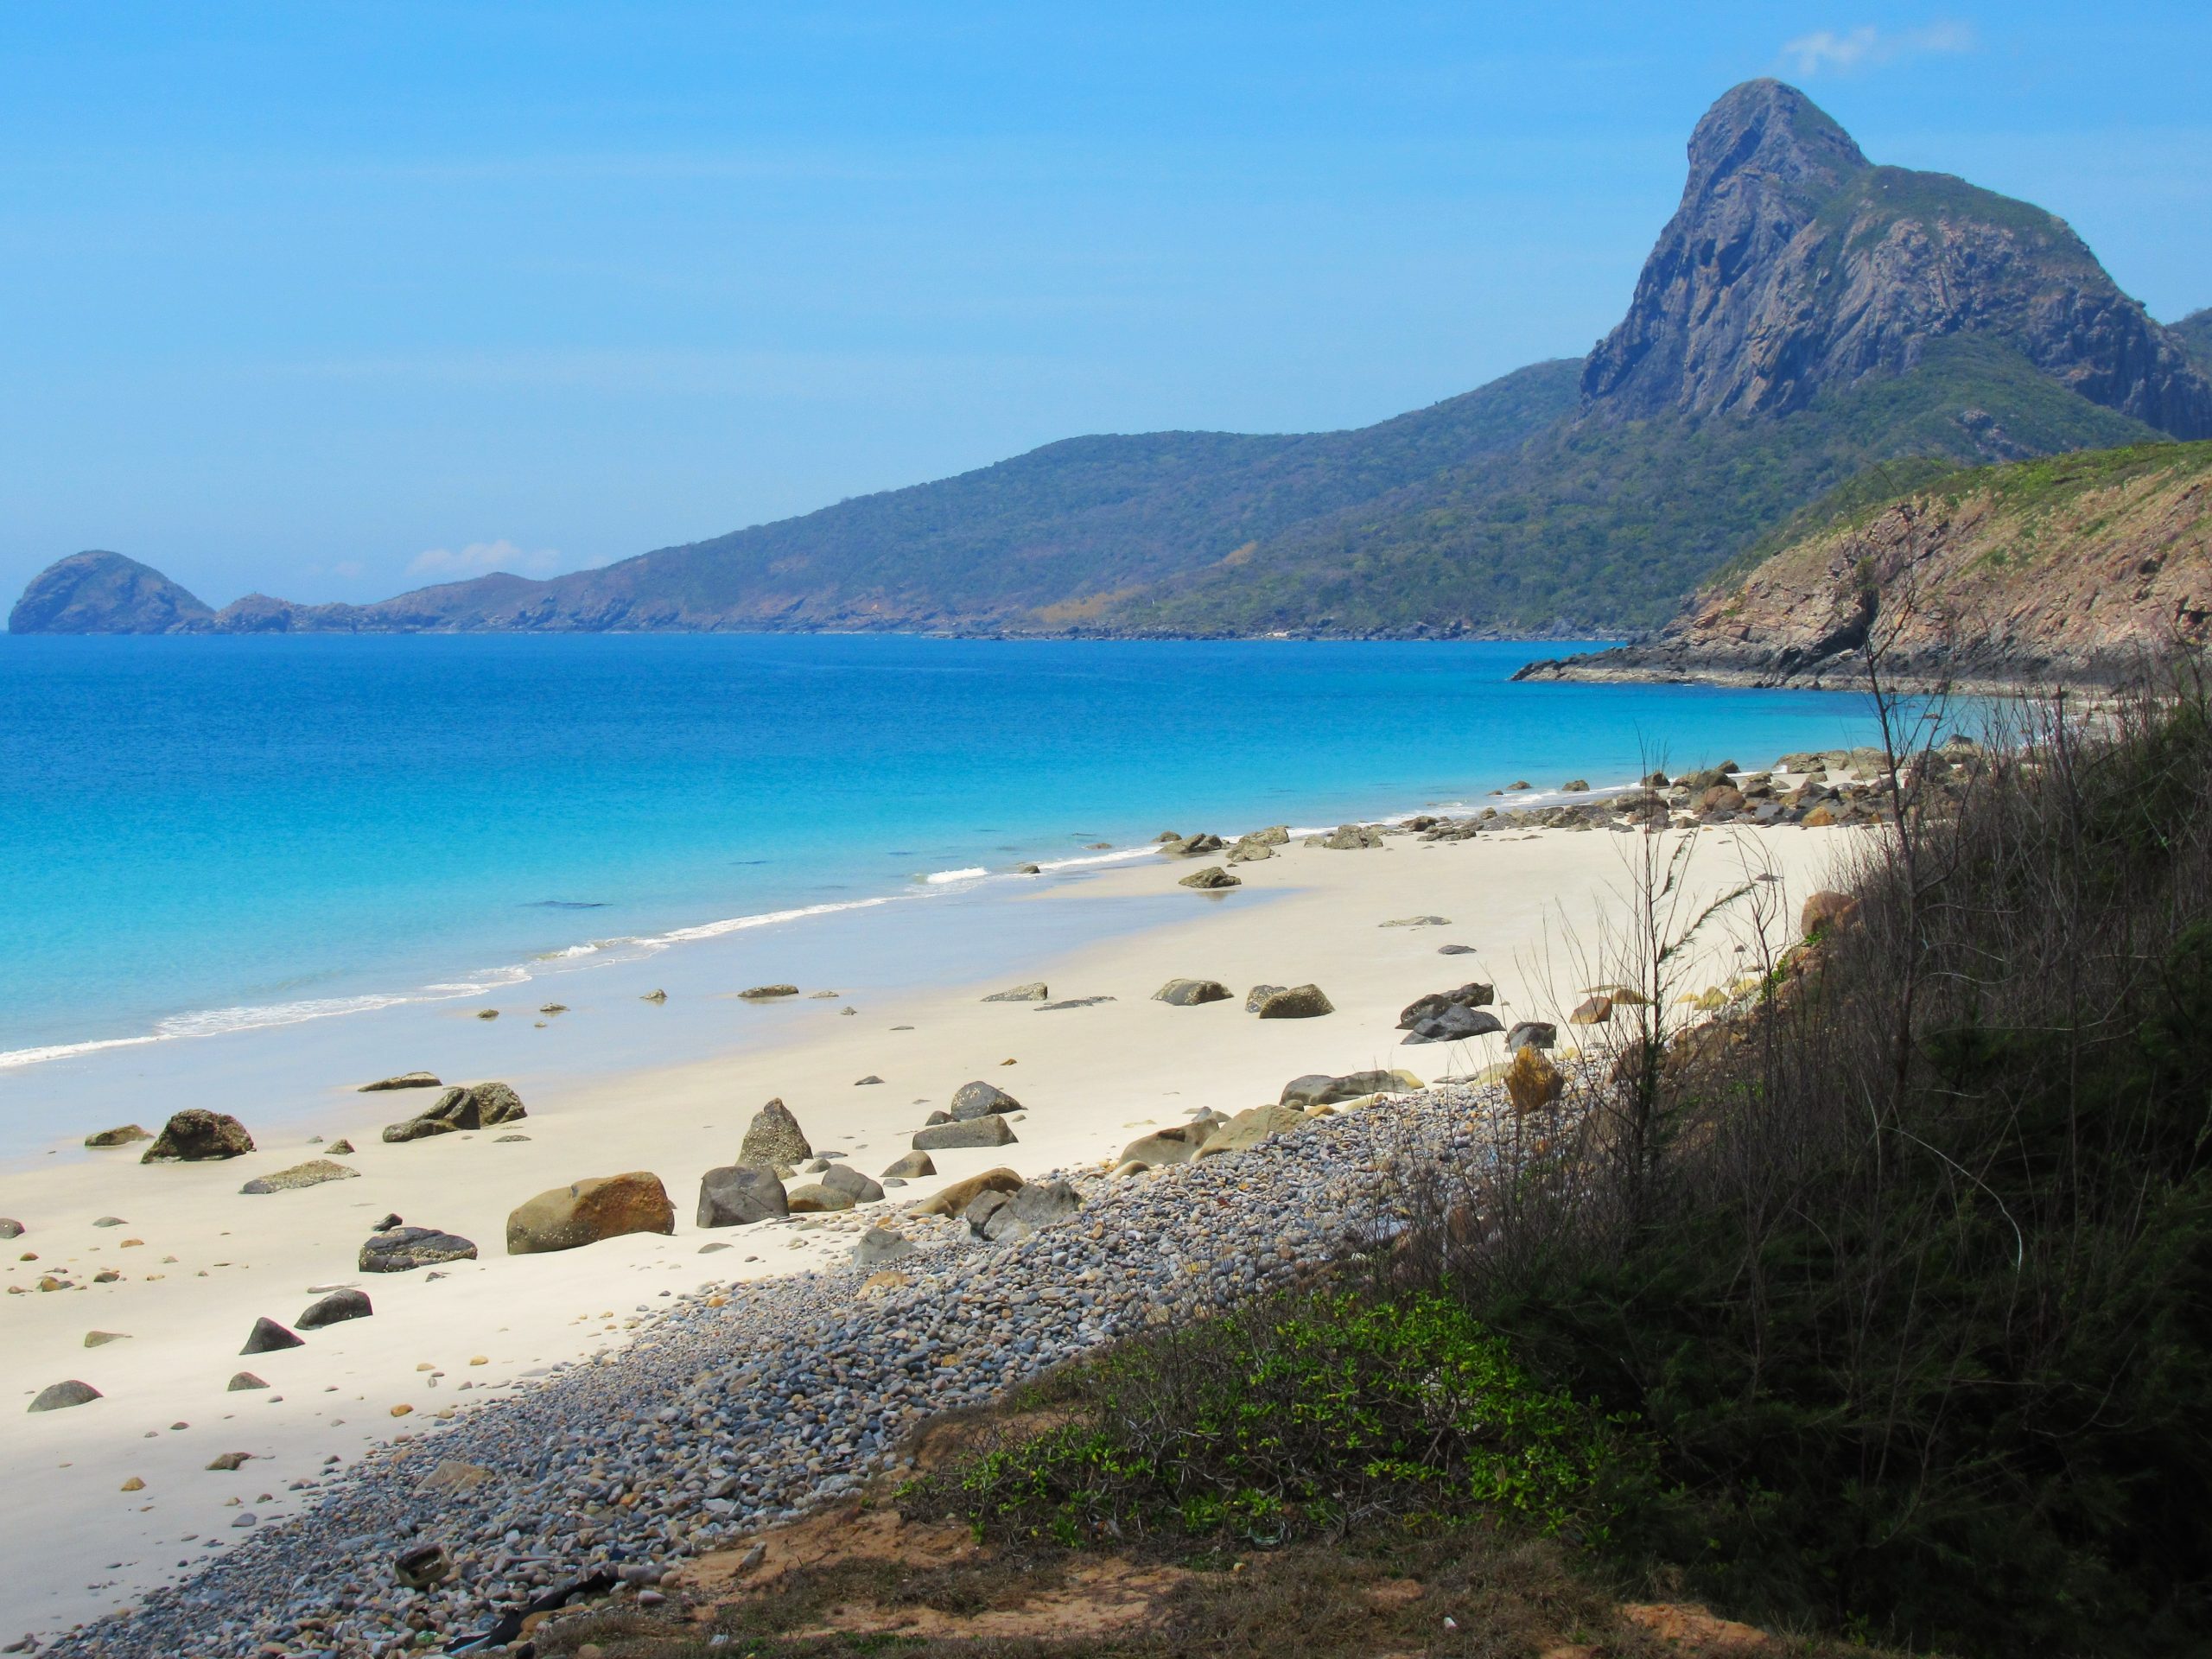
(203, 836)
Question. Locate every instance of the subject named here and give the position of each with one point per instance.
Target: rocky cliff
(2078, 568)
(105, 593)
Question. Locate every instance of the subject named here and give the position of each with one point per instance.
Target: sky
(332, 301)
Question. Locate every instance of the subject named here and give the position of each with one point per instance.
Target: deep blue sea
(207, 835)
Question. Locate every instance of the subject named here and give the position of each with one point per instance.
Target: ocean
(202, 837)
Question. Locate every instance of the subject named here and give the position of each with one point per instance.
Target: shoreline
(1093, 1078)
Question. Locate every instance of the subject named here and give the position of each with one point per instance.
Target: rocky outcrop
(106, 592)
(195, 1135)
(584, 1212)
(480, 1106)
(1793, 264)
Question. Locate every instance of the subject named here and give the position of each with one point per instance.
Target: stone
(340, 1147)
(267, 1337)
(101, 1339)
(1258, 994)
(1472, 995)
(816, 1198)
(404, 1080)
(1455, 949)
(1029, 869)
(587, 1212)
(455, 1475)
(1825, 909)
(110, 1221)
(1004, 1217)
(1299, 1002)
(978, 1099)
(988, 1131)
(1248, 851)
(487, 1014)
(1191, 846)
(314, 1173)
(1531, 1033)
(1190, 993)
(737, 1195)
(1821, 817)
(121, 1135)
(880, 1244)
(908, 1165)
(1419, 921)
(1316, 1089)
(1212, 879)
(230, 1463)
(133, 1485)
(1595, 1011)
(1455, 1025)
(1347, 837)
(60, 1396)
(1532, 1082)
(422, 1566)
(1069, 1002)
(480, 1106)
(773, 1138)
(1575, 786)
(11, 1227)
(1032, 992)
(243, 1381)
(654, 997)
(195, 1135)
(1178, 1145)
(954, 1200)
(863, 1082)
(767, 992)
(400, 1250)
(1247, 1130)
(335, 1309)
(845, 1178)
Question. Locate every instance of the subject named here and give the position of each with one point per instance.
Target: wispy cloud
(1827, 51)
(478, 557)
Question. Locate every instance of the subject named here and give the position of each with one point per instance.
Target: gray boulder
(1455, 949)
(880, 1244)
(244, 1379)
(814, 1198)
(1032, 992)
(1531, 1033)
(1248, 851)
(1299, 1002)
(314, 1173)
(1347, 837)
(1017, 1214)
(1473, 995)
(1189, 993)
(1454, 1024)
(1315, 1090)
(335, 1309)
(767, 992)
(992, 1131)
(480, 1106)
(981, 1099)
(195, 1135)
(11, 1227)
(773, 1138)
(60, 1395)
(1258, 994)
(737, 1195)
(267, 1337)
(846, 1179)
(910, 1166)
(400, 1249)
(1212, 879)
(122, 1136)
(1191, 846)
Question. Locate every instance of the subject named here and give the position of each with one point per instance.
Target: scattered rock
(955, 1199)
(101, 1339)
(1419, 921)
(862, 1083)
(988, 1131)
(1530, 1033)
(1247, 1130)
(553, 1007)
(340, 1147)
(1212, 879)
(404, 1080)
(1596, 1011)
(1249, 851)
(1258, 994)
(1575, 786)
(773, 1138)
(978, 1099)
(335, 1309)
(880, 1244)
(845, 1178)
(122, 1136)
(654, 997)
(1455, 1024)
(586, 1211)
(399, 1250)
(243, 1381)
(767, 993)
(1348, 837)
(133, 1485)
(1455, 949)
(1005, 1218)
(455, 1475)
(1189, 993)
(1178, 1145)
(1825, 909)
(267, 1337)
(314, 1173)
(480, 1106)
(487, 1014)
(736, 1195)
(1032, 992)
(1316, 1089)
(910, 1166)
(110, 1221)
(11, 1227)
(814, 1198)
(1191, 846)
(1299, 1002)
(195, 1135)
(60, 1395)
(1532, 1082)
(230, 1463)
(1069, 1002)
(1028, 869)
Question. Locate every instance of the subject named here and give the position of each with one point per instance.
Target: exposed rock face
(194, 1135)
(1793, 262)
(586, 1211)
(106, 592)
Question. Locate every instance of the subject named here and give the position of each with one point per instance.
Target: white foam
(938, 879)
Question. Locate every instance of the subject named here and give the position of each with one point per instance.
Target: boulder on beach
(59, 1395)
(880, 1244)
(101, 1339)
(1177, 1145)
(267, 1337)
(1066, 1002)
(244, 1379)
(773, 1138)
(1258, 994)
(1316, 1089)
(1191, 846)
(991, 1131)
(1455, 1025)
(1004, 1217)
(1248, 851)
(584, 1212)
(1825, 909)
(400, 1249)
(1034, 991)
(404, 1080)
(981, 1099)
(954, 1200)
(817, 1198)
(1189, 993)
(11, 1227)
(1299, 1002)
(479, 1106)
(1455, 949)
(335, 1309)
(909, 1166)
(314, 1173)
(654, 997)
(1212, 879)
(1472, 995)
(1347, 838)
(1596, 1011)
(122, 1136)
(195, 1135)
(737, 1195)
(1532, 1082)
(1247, 1129)
(845, 1178)
(768, 993)
(1531, 1033)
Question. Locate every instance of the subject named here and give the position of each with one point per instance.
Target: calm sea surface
(201, 836)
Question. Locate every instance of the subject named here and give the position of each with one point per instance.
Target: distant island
(1808, 324)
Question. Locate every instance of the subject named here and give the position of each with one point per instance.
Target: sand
(1536, 908)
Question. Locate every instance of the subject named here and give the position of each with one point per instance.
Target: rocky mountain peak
(1764, 135)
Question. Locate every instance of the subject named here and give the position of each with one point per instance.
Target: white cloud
(480, 557)
(1828, 52)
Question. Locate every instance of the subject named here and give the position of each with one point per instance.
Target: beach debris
(479, 1106)
(980, 1099)
(195, 1134)
(122, 1136)
(1190, 993)
(336, 1308)
(586, 1211)
(1034, 991)
(267, 1336)
(736, 1195)
(400, 1250)
(909, 1165)
(773, 1137)
(244, 1380)
(768, 993)
(1212, 879)
(60, 1396)
(314, 1173)
(1299, 1002)
(989, 1131)
(404, 1080)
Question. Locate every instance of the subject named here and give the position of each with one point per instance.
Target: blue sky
(333, 300)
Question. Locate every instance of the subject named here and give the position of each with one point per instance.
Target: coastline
(1093, 1078)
